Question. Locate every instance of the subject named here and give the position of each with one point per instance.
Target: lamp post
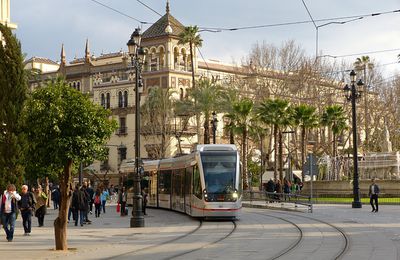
(352, 93)
(214, 125)
(137, 55)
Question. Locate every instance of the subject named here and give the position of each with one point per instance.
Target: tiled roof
(158, 28)
(41, 60)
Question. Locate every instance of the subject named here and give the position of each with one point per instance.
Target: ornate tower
(5, 15)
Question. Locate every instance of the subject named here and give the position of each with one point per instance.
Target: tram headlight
(235, 195)
(205, 195)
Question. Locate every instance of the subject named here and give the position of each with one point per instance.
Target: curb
(249, 205)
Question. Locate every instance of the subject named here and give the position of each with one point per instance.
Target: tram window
(188, 180)
(219, 172)
(196, 182)
(165, 182)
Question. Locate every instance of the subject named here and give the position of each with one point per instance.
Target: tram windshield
(219, 171)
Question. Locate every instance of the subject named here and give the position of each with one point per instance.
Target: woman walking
(41, 199)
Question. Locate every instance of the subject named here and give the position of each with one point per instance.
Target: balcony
(122, 131)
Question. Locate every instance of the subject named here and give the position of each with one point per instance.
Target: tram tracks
(159, 244)
(291, 248)
(208, 244)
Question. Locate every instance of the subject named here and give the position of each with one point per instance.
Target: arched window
(120, 99)
(74, 85)
(181, 96)
(103, 100)
(78, 86)
(125, 98)
(108, 99)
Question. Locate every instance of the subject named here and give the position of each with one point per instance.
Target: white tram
(206, 183)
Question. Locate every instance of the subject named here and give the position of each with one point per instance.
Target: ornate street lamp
(137, 55)
(214, 125)
(352, 93)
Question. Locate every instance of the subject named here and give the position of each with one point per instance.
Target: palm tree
(228, 98)
(241, 117)
(207, 98)
(276, 113)
(363, 64)
(306, 118)
(335, 118)
(190, 36)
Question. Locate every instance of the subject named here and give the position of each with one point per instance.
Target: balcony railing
(122, 131)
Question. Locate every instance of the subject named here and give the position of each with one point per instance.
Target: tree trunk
(194, 86)
(231, 135)
(275, 153)
(206, 131)
(303, 151)
(244, 161)
(280, 156)
(60, 223)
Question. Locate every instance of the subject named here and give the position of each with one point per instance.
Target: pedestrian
(270, 189)
(9, 208)
(41, 208)
(90, 192)
(373, 195)
(97, 203)
(78, 205)
(55, 197)
(286, 188)
(144, 200)
(104, 196)
(27, 207)
(122, 198)
(86, 199)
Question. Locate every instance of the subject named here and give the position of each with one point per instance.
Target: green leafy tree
(65, 128)
(191, 36)
(241, 116)
(335, 119)
(13, 93)
(305, 117)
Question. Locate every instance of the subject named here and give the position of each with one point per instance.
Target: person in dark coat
(55, 197)
(78, 205)
(270, 189)
(373, 195)
(27, 206)
(90, 192)
(87, 199)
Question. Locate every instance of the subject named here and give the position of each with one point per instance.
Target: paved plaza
(331, 232)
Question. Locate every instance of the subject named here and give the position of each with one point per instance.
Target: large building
(110, 81)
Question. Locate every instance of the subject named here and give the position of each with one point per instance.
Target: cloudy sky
(44, 25)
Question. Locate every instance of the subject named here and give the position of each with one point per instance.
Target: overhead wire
(119, 12)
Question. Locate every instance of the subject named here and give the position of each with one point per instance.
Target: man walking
(9, 210)
(373, 195)
(27, 206)
(78, 205)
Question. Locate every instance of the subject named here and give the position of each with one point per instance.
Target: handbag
(118, 207)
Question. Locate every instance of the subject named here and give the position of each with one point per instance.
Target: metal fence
(318, 197)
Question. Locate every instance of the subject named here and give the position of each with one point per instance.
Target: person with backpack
(9, 208)
(27, 206)
(97, 203)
